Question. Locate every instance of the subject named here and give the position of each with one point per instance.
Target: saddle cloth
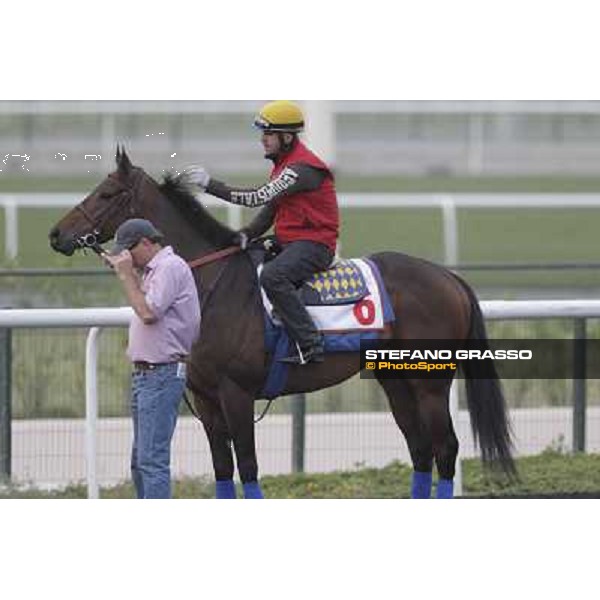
(344, 326)
(346, 297)
(342, 283)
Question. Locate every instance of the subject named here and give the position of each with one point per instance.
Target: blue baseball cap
(132, 231)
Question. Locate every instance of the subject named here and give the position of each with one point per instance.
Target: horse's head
(95, 220)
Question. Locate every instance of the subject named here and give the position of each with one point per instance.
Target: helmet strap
(286, 146)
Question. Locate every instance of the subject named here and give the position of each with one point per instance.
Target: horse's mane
(207, 226)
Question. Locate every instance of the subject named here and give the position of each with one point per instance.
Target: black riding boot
(310, 351)
(302, 330)
(280, 279)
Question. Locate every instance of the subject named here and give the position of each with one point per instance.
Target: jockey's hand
(195, 175)
(240, 238)
(272, 246)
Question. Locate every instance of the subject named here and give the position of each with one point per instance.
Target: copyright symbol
(370, 366)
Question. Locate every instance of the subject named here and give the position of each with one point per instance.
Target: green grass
(549, 473)
(486, 235)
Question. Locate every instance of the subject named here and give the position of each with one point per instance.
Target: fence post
(579, 385)
(454, 414)
(298, 432)
(450, 223)
(5, 404)
(91, 411)
(475, 144)
(11, 229)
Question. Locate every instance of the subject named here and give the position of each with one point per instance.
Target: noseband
(124, 198)
(90, 240)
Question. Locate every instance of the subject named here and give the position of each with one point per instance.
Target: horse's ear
(123, 162)
(118, 155)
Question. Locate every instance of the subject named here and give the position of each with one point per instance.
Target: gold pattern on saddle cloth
(343, 282)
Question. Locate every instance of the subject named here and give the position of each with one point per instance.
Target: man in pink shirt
(161, 290)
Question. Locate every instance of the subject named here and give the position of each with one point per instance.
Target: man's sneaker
(315, 354)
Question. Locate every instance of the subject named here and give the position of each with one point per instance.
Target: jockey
(300, 199)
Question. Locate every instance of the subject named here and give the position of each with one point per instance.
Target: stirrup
(315, 354)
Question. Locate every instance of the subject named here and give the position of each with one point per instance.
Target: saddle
(342, 283)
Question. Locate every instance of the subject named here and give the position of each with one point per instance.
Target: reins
(213, 256)
(208, 259)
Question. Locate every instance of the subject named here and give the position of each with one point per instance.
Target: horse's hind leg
(406, 414)
(434, 411)
(219, 441)
(238, 405)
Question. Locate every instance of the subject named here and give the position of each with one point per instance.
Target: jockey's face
(272, 142)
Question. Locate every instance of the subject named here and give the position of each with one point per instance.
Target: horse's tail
(485, 400)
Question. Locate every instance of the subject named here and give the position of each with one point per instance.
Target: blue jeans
(155, 398)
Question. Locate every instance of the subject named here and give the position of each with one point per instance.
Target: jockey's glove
(196, 175)
(270, 245)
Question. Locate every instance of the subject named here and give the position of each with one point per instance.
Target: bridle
(125, 197)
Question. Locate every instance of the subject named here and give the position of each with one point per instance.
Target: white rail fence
(12, 203)
(120, 317)
(447, 203)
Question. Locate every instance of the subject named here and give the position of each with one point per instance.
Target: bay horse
(229, 363)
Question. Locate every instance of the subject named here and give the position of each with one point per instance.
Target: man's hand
(122, 263)
(195, 175)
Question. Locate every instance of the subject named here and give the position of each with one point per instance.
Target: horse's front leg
(219, 441)
(238, 406)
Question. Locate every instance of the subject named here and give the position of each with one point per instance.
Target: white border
(375, 50)
(432, 49)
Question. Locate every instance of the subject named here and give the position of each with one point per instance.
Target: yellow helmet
(280, 115)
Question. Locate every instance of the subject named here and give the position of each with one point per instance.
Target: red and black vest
(312, 215)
